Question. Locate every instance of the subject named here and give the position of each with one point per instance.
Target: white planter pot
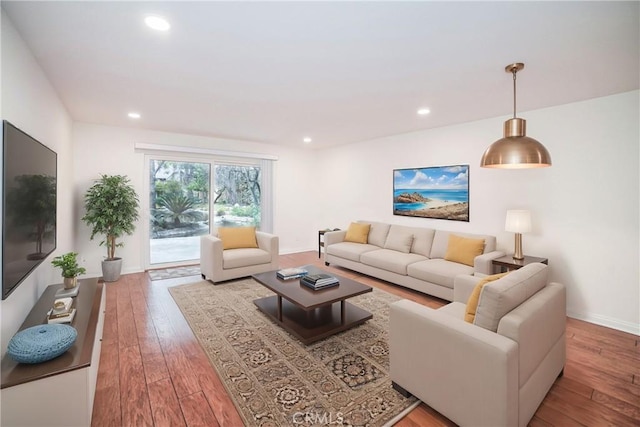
(111, 269)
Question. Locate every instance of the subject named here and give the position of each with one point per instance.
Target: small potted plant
(68, 263)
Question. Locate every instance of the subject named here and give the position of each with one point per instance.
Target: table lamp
(518, 221)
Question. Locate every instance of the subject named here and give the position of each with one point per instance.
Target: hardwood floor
(154, 373)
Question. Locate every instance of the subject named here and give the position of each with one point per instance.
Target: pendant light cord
(514, 92)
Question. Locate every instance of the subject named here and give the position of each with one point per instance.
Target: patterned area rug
(172, 273)
(274, 380)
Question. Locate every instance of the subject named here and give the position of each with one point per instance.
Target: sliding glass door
(238, 195)
(179, 193)
(181, 206)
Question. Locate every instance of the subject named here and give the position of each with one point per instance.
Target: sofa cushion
(463, 250)
(390, 260)
(399, 239)
(243, 257)
(503, 295)
(472, 302)
(377, 233)
(441, 242)
(237, 237)
(438, 271)
(422, 241)
(350, 250)
(357, 232)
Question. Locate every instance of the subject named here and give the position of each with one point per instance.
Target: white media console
(58, 392)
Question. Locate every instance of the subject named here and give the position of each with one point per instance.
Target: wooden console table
(58, 392)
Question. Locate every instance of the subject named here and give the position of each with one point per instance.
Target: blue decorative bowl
(41, 343)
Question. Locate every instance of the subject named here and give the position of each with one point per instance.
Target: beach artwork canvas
(440, 192)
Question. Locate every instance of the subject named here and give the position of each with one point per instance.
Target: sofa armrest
(482, 263)
(331, 237)
(463, 285)
(467, 373)
(210, 255)
(268, 242)
(537, 325)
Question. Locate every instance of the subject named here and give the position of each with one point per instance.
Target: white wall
(31, 104)
(585, 208)
(110, 150)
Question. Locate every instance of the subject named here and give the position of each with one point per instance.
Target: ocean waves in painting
(436, 198)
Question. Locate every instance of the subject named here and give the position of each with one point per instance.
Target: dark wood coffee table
(312, 315)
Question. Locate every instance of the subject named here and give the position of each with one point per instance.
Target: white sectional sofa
(413, 257)
(494, 371)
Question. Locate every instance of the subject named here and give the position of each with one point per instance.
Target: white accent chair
(496, 374)
(218, 265)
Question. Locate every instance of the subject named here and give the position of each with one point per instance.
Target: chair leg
(401, 390)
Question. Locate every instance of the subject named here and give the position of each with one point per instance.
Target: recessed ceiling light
(306, 140)
(423, 111)
(134, 115)
(157, 23)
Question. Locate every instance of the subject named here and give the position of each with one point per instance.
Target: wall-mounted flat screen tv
(28, 205)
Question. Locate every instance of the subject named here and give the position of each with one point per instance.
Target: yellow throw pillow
(238, 237)
(463, 250)
(357, 232)
(474, 298)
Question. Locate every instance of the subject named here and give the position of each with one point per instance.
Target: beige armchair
(219, 265)
(496, 374)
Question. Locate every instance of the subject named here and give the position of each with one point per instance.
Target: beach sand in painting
(453, 211)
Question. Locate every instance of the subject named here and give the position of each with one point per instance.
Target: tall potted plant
(111, 205)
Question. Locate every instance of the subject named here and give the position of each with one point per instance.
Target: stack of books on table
(319, 281)
(291, 273)
(62, 311)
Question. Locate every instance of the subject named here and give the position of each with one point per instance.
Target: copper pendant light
(515, 150)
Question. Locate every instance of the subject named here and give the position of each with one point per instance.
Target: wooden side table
(507, 263)
(321, 241)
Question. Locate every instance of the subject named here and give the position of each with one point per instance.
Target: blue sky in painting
(437, 178)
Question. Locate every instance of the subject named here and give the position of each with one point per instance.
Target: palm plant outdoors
(176, 208)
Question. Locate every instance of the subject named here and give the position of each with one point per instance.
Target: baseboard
(132, 270)
(621, 325)
(287, 251)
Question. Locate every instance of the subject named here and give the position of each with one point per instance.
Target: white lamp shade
(518, 221)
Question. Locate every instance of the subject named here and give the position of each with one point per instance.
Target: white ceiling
(338, 72)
